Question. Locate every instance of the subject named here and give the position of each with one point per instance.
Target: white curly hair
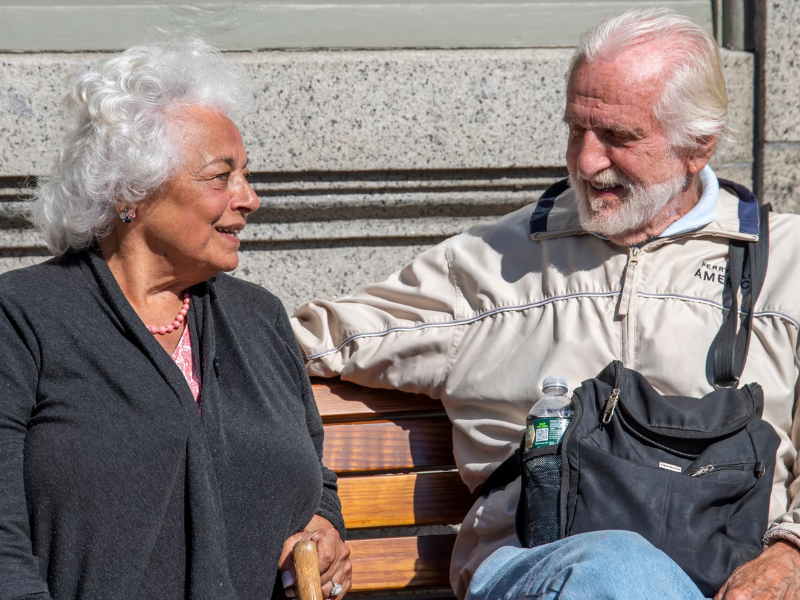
(118, 147)
(694, 102)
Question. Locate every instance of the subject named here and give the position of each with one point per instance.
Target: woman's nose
(245, 198)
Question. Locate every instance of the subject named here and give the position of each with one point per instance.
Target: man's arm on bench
(394, 334)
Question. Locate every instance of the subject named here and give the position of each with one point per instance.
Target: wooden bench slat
(393, 563)
(390, 445)
(340, 399)
(369, 433)
(403, 500)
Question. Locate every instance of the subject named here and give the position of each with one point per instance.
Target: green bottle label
(546, 431)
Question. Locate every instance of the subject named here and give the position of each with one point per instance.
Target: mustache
(609, 177)
(606, 178)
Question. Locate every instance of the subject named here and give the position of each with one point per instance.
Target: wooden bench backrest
(393, 454)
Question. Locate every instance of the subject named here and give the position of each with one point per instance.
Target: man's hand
(333, 554)
(774, 575)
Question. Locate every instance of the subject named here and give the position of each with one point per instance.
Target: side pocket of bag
(541, 511)
(538, 511)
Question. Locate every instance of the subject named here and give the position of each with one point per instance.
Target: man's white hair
(694, 102)
(118, 148)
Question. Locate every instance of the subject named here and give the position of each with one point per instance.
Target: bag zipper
(611, 406)
(613, 399)
(759, 468)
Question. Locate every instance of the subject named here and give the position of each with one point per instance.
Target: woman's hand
(333, 553)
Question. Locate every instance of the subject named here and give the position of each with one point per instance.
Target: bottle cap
(555, 382)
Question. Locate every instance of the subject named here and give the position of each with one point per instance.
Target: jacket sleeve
(395, 334)
(787, 526)
(19, 568)
(329, 507)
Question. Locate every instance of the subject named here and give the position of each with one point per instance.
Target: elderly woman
(158, 434)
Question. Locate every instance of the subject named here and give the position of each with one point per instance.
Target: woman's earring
(127, 215)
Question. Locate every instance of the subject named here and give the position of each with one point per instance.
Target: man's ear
(698, 157)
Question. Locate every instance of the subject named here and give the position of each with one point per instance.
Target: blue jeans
(602, 565)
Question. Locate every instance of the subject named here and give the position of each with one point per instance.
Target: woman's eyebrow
(223, 159)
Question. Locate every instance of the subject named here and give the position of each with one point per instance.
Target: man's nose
(593, 157)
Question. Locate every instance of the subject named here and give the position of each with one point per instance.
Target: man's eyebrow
(619, 129)
(632, 133)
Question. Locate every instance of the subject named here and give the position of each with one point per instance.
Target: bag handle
(731, 346)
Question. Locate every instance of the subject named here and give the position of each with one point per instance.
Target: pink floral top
(184, 358)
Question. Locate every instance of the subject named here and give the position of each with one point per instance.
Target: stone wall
(779, 103)
(361, 158)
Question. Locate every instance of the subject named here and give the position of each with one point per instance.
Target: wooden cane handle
(307, 567)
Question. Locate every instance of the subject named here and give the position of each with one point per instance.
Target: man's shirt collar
(704, 212)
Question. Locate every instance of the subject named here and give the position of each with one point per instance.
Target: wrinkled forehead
(627, 83)
(201, 138)
(643, 63)
(201, 128)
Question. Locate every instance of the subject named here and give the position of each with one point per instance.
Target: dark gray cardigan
(112, 485)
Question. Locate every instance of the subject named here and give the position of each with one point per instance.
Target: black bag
(693, 476)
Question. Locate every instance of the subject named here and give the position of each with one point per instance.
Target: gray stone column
(778, 148)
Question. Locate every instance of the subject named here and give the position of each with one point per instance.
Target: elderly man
(627, 263)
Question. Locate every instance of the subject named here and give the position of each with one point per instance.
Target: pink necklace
(178, 319)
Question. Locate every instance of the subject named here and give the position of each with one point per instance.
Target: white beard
(641, 206)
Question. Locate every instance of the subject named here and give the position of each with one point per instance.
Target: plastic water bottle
(550, 416)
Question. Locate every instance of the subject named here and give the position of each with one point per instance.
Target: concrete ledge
(364, 111)
(60, 25)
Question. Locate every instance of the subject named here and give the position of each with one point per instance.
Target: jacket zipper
(628, 286)
(758, 468)
(626, 310)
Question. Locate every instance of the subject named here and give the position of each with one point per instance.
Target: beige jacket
(481, 319)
